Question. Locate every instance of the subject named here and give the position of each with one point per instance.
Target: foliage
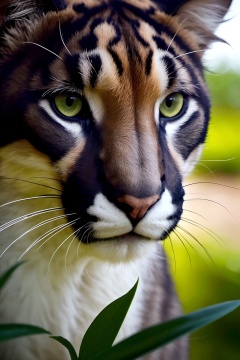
(202, 283)
(221, 153)
(98, 341)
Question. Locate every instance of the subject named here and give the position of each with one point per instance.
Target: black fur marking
(58, 4)
(170, 7)
(96, 65)
(139, 38)
(79, 8)
(186, 140)
(116, 60)
(171, 70)
(161, 44)
(148, 64)
(137, 55)
(70, 29)
(72, 65)
(89, 42)
(118, 36)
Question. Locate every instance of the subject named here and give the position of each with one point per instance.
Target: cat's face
(113, 94)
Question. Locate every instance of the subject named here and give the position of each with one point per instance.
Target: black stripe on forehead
(96, 65)
(148, 64)
(69, 29)
(117, 60)
(72, 65)
(118, 36)
(90, 41)
(171, 70)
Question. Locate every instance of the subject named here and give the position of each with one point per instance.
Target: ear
(201, 17)
(15, 9)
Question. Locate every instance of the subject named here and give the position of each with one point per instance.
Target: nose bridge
(132, 156)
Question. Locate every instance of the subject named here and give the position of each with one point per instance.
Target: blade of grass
(159, 335)
(105, 327)
(7, 274)
(67, 345)
(12, 331)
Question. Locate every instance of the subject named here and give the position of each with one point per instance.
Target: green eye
(172, 105)
(68, 105)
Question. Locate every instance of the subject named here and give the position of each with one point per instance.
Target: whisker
(75, 233)
(61, 37)
(88, 226)
(42, 47)
(219, 160)
(45, 177)
(89, 235)
(56, 230)
(194, 212)
(47, 233)
(176, 233)
(28, 231)
(204, 228)
(188, 53)
(212, 201)
(39, 239)
(193, 248)
(173, 38)
(194, 238)
(211, 183)
(62, 243)
(27, 216)
(46, 196)
(174, 255)
(206, 167)
(80, 241)
(29, 182)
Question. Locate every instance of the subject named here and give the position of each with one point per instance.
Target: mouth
(124, 238)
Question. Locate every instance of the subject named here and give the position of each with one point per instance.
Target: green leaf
(159, 335)
(67, 345)
(105, 327)
(7, 274)
(12, 331)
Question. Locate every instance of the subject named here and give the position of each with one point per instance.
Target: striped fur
(85, 199)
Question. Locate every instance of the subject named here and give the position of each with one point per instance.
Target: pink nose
(139, 206)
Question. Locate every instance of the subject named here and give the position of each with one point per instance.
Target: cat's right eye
(68, 105)
(172, 106)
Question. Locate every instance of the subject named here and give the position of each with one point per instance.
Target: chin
(122, 249)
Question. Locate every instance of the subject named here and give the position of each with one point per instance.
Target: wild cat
(104, 111)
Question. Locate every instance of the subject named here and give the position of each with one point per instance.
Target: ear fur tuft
(202, 17)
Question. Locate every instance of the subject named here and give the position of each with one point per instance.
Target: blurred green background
(205, 251)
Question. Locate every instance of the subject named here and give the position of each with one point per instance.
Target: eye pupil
(172, 106)
(169, 102)
(67, 105)
(70, 101)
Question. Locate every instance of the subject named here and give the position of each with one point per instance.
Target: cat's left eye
(172, 106)
(68, 105)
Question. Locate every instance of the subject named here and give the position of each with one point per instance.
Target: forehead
(118, 44)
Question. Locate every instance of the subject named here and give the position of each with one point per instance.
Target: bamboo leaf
(7, 274)
(67, 345)
(12, 331)
(104, 329)
(159, 335)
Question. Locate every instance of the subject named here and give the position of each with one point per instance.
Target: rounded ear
(201, 17)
